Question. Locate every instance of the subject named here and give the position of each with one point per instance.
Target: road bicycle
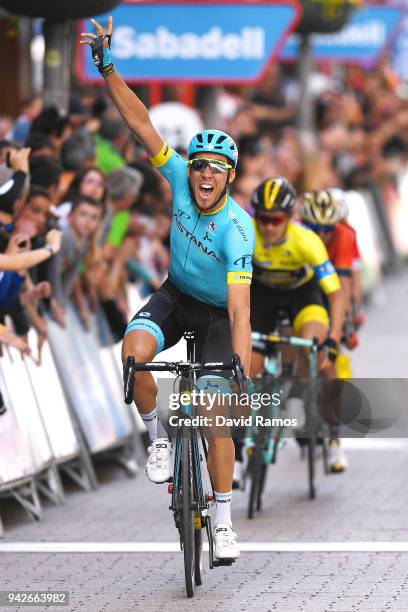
(263, 442)
(191, 496)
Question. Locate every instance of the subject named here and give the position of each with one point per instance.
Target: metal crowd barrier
(63, 415)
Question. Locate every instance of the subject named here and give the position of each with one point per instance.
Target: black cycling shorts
(301, 305)
(169, 313)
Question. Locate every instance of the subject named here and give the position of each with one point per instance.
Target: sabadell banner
(362, 40)
(201, 42)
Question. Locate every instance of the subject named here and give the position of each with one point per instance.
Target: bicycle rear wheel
(262, 480)
(198, 498)
(325, 455)
(187, 513)
(255, 473)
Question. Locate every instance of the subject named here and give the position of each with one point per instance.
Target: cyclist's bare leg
(318, 330)
(256, 363)
(310, 330)
(143, 346)
(221, 455)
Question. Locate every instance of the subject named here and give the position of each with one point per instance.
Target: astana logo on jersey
(193, 239)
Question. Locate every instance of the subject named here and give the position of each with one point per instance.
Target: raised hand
(54, 238)
(18, 243)
(19, 159)
(100, 44)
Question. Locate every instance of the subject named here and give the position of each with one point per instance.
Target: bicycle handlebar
(291, 340)
(179, 368)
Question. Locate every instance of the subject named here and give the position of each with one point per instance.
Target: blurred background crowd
(84, 173)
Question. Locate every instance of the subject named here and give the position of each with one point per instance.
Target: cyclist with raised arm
(208, 287)
(292, 273)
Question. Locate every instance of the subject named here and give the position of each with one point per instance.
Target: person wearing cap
(209, 278)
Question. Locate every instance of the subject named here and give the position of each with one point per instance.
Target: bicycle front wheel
(198, 556)
(311, 458)
(187, 513)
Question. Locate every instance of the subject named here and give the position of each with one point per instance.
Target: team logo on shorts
(144, 314)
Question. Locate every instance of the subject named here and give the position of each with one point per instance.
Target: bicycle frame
(264, 447)
(189, 503)
(278, 340)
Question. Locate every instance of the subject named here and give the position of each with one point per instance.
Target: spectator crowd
(82, 212)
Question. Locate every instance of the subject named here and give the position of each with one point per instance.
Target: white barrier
(59, 411)
(25, 408)
(52, 405)
(100, 412)
(16, 460)
(399, 216)
(363, 219)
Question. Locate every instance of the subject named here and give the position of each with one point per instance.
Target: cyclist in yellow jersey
(292, 273)
(291, 268)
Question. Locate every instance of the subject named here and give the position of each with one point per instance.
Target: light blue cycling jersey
(207, 250)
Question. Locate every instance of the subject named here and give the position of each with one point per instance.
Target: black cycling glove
(101, 56)
(331, 347)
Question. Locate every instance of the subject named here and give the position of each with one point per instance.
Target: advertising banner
(25, 408)
(399, 53)
(369, 32)
(101, 414)
(16, 459)
(52, 405)
(194, 41)
(362, 218)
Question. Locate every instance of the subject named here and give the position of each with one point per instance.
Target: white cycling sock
(150, 421)
(161, 432)
(222, 508)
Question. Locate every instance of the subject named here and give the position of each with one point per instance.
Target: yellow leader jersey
(294, 262)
